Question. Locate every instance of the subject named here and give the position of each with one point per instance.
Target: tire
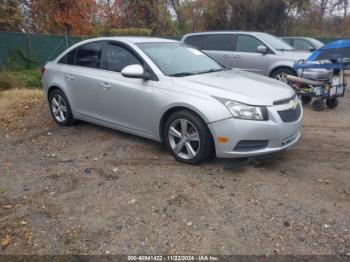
(277, 73)
(318, 105)
(192, 146)
(60, 108)
(332, 102)
(306, 99)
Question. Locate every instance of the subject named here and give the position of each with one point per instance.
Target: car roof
(134, 39)
(225, 32)
(297, 37)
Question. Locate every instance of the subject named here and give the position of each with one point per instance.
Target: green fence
(38, 48)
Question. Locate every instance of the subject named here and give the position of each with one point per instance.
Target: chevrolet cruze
(170, 92)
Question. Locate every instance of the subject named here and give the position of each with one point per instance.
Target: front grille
(290, 115)
(250, 145)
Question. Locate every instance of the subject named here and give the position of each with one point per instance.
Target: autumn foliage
(71, 16)
(176, 17)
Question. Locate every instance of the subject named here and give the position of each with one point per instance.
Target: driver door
(246, 56)
(125, 102)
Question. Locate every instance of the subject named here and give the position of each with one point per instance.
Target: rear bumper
(278, 135)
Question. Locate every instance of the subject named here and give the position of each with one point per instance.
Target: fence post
(27, 35)
(66, 40)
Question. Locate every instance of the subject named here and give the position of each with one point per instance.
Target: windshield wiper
(182, 74)
(213, 70)
(198, 73)
(282, 49)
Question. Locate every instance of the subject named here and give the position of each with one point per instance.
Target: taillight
(42, 71)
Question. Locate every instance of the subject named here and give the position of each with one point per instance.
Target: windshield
(178, 59)
(318, 44)
(275, 42)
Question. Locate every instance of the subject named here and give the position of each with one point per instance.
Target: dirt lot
(91, 190)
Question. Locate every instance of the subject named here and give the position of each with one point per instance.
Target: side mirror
(133, 71)
(261, 49)
(311, 49)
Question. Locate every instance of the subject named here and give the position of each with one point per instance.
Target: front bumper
(315, 74)
(278, 135)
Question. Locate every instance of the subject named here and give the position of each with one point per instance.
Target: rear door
(246, 56)
(220, 47)
(81, 73)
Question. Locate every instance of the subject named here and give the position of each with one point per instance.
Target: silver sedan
(167, 91)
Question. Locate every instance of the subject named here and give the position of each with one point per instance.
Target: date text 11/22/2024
(173, 258)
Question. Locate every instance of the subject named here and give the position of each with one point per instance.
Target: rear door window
(248, 44)
(220, 42)
(89, 55)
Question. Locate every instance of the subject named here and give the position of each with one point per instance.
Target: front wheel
(280, 73)
(188, 138)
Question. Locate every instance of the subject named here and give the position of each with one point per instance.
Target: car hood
(239, 86)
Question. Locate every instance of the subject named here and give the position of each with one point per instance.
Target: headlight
(244, 111)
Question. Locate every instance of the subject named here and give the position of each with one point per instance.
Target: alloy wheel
(59, 108)
(184, 139)
(281, 77)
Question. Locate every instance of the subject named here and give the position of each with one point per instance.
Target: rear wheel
(187, 137)
(60, 108)
(280, 73)
(332, 102)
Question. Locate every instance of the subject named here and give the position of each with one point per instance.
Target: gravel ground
(91, 190)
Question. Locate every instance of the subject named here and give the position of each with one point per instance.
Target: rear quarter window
(69, 59)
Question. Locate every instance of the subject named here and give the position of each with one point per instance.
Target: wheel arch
(51, 89)
(172, 110)
(54, 87)
(281, 67)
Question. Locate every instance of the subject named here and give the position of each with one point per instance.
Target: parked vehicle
(324, 91)
(170, 92)
(306, 44)
(256, 52)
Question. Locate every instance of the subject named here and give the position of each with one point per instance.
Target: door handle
(70, 77)
(236, 56)
(105, 85)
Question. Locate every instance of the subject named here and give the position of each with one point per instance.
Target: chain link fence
(31, 49)
(34, 50)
